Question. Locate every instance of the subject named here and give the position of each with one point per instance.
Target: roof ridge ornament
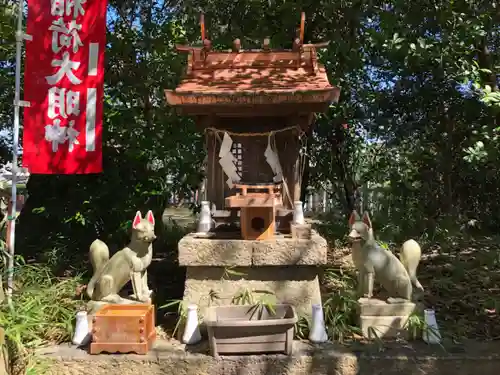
(202, 27)
(298, 43)
(207, 44)
(302, 27)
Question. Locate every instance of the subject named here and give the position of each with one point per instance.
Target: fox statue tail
(98, 255)
(410, 256)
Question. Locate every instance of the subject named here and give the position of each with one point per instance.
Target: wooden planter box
(239, 329)
(123, 329)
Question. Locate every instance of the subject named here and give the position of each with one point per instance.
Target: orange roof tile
(253, 77)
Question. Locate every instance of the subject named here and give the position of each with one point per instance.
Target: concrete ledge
(279, 251)
(329, 359)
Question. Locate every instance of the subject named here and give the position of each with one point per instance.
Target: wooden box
(238, 329)
(257, 223)
(123, 329)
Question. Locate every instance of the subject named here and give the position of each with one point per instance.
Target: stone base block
(383, 326)
(379, 319)
(301, 231)
(278, 251)
(215, 286)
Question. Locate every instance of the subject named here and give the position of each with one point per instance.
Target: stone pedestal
(284, 266)
(380, 319)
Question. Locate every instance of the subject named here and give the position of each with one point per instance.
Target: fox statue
(111, 274)
(397, 276)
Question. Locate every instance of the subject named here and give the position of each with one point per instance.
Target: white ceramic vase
(298, 213)
(431, 334)
(318, 334)
(192, 333)
(205, 223)
(82, 331)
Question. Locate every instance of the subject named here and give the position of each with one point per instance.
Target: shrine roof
(253, 77)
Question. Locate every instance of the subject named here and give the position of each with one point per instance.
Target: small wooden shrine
(255, 107)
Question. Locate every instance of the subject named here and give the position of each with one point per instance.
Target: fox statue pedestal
(380, 319)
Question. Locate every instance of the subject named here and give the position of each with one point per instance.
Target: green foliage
(416, 325)
(180, 313)
(339, 306)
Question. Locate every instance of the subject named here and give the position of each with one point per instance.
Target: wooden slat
(251, 200)
(278, 337)
(234, 99)
(222, 214)
(228, 60)
(246, 111)
(260, 347)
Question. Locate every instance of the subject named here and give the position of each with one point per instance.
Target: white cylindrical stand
(192, 333)
(318, 333)
(82, 331)
(205, 222)
(298, 213)
(431, 334)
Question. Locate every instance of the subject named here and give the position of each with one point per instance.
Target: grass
(42, 313)
(462, 277)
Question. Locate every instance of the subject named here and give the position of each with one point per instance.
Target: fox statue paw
(393, 300)
(144, 297)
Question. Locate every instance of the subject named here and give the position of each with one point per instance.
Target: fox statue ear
(353, 218)
(137, 219)
(150, 217)
(366, 219)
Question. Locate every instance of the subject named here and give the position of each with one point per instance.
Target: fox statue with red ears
(111, 274)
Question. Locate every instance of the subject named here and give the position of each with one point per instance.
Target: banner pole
(15, 147)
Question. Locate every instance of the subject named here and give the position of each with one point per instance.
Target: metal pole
(15, 146)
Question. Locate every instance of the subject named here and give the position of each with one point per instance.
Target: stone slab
(279, 251)
(301, 231)
(213, 252)
(377, 307)
(169, 357)
(288, 251)
(298, 286)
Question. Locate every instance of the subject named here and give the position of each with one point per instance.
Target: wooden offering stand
(258, 204)
(123, 329)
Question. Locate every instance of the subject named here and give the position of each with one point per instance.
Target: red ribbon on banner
(64, 84)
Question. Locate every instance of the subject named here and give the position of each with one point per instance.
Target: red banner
(64, 84)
